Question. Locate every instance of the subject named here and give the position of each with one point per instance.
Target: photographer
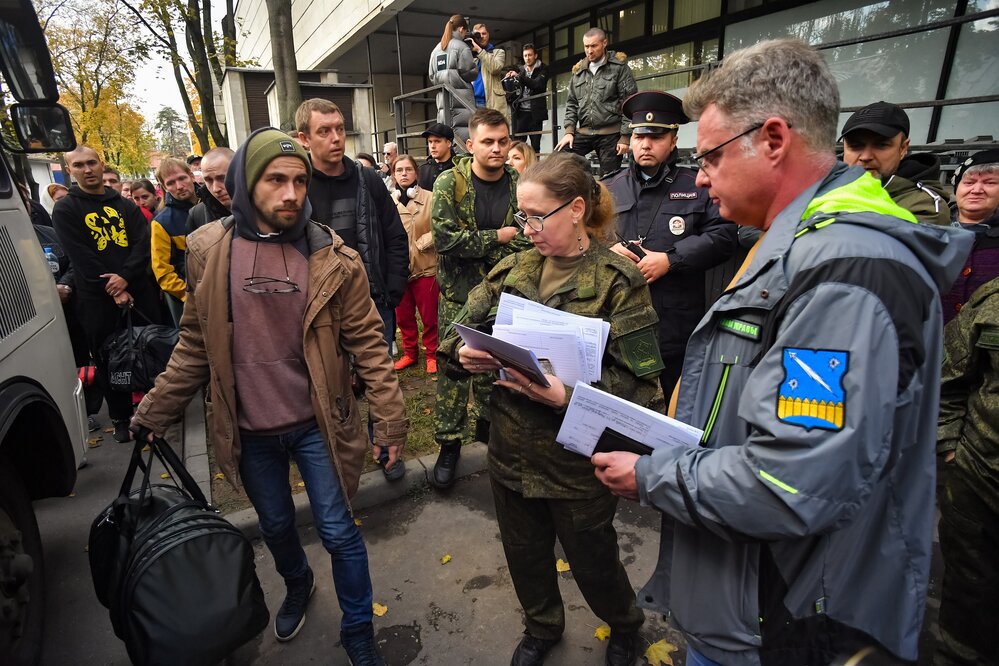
(529, 79)
(452, 64)
(488, 86)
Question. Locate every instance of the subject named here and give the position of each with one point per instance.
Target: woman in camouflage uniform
(542, 491)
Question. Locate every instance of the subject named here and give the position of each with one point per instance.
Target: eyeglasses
(269, 285)
(706, 165)
(536, 222)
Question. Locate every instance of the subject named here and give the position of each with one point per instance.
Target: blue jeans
(695, 658)
(264, 466)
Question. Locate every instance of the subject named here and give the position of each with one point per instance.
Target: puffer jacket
(455, 67)
(340, 321)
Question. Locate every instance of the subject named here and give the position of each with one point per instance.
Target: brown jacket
(415, 217)
(340, 319)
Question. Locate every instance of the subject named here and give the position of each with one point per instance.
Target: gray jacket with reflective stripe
(816, 378)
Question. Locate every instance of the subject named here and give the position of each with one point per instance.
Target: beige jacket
(415, 217)
(340, 320)
(493, 69)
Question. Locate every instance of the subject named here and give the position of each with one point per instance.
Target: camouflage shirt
(465, 253)
(969, 392)
(523, 453)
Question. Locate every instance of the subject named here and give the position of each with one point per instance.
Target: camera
(473, 37)
(512, 85)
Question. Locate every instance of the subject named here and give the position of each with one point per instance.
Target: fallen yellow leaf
(427, 411)
(109, 430)
(658, 653)
(72, 495)
(561, 566)
(145, 448)
(300, 484)
(378, 609)
(220, 476)
(94, 442)
(602, 632)
(445, 559)
(358, 522)
(165, 475)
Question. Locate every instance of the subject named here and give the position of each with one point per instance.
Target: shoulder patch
(682, 195)
(641, 352)
(812, 393)
(988, 338)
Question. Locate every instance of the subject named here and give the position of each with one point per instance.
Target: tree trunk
(289, 93)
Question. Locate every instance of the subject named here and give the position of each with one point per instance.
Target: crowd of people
(798, 531)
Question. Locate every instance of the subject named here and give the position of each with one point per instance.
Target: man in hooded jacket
(276, 306)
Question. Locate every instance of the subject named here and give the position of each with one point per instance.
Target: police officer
(667, 225)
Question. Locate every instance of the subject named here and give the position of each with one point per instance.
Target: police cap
(654, 112)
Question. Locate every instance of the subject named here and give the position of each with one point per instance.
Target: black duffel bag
(135, 355)
(179, 580)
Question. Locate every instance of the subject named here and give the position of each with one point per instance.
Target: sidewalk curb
(194, 449)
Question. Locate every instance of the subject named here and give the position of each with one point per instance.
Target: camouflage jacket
(465, 253)
(969, 392)
(523, 453)
(595, 99)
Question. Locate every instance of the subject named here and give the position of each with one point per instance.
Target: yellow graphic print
(830, 412)
(107, 228)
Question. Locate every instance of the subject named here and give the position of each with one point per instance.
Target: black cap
(441, 130)
(654, 112)
(191, 159)
(881, 118)
(981, 157)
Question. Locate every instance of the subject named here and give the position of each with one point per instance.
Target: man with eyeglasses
(668, 225)
(473, 228)
(801, 527)
(277, 307)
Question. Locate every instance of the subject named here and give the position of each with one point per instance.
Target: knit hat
(981, 157)
(267, 145)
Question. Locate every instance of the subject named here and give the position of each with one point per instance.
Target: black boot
(447, 463)
(531, 651)
(622, 649)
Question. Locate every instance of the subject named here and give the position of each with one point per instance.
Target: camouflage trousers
(969, 540)
(455, 388)
(585, 528)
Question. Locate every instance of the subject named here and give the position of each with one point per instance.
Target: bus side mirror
(38, 128)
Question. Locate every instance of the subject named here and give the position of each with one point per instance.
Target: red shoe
(431, 366)
(405, 362)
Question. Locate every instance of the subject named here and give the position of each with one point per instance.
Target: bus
(43, 422)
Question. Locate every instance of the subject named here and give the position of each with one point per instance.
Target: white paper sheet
(591, 410)
(562, 347)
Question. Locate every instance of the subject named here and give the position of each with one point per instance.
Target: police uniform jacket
(815, 380)
(594, 100)
(523, 453)
(677, 217)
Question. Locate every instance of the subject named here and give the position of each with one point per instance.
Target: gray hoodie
(807, 512)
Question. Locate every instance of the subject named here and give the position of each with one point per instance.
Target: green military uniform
(969, 507)
(465, 254)
(542, 490)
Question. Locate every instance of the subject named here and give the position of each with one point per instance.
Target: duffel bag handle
(175, 466)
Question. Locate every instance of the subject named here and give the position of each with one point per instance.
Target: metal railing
(422, 96)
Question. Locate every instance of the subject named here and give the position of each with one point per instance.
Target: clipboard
(611, 440)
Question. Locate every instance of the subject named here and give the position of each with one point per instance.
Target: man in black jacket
(529, 115)
(354, 202)
(107, 240)
(216, 201)
(675, 230)
(440, 155)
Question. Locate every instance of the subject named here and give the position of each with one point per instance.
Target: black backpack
(179, 580)
(136, 355)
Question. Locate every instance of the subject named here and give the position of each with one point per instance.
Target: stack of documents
(592, 411)
(573, 345)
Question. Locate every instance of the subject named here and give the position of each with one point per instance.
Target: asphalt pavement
(437, 568)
